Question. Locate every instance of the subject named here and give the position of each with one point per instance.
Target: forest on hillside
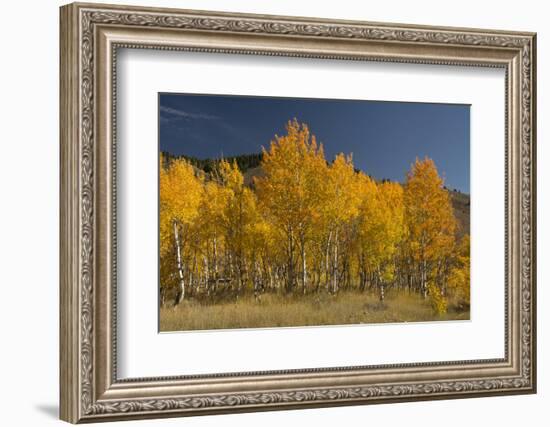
(306, 227)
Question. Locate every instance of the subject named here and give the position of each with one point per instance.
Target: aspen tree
(289, 192)
(431, 223)
(180, 196)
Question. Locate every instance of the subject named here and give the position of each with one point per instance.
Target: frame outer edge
(69, 354)
(77, 339)
(533, 112)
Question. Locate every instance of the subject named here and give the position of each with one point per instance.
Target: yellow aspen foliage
(431, 226)
(165, 228)
(240, 208)
(459, 278)
(210, 227)
(370, 224)
(429, 212)
(231, 176)
(180, 197)
(437, 299)
(288, 192)
(341, 198)
(213, 208)
(292, 168)
(264, 240)
(340, 205)
(393, 212)
(381, 224)
(180, 192)
(240, 214)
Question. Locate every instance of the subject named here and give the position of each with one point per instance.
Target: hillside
(244, 161)
(461, 208)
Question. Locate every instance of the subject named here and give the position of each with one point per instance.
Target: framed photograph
(265, 212)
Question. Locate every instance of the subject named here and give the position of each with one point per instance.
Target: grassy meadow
(279, 310)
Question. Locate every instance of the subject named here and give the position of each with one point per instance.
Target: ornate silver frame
(90, 36)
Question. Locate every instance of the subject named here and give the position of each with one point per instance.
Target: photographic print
(293, 212)
(283, 198)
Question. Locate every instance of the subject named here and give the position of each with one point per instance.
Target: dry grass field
(274, 310)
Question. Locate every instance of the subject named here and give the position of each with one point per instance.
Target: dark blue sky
(384, 137)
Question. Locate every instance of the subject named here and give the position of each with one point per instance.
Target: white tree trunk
(327, 262)
(181, 291)
(304, 268)
(335, 265)
(423, 280)
(206, 274)
(215, 258)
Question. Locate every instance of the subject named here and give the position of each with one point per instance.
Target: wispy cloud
(174, 112)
